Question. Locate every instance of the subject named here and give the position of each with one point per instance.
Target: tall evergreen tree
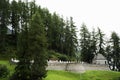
(73, 38)
(93, 43)
(113, 51)
(37, 47)
(4, 21)
(56, 32)
(48, 23)
(14, 21)
(67, 38)
(62, 35)
(101, 48)
(15, 17)
(32, 7)
(23, 68)
(85, 45)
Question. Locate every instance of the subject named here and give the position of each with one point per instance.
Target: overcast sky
(94, 13)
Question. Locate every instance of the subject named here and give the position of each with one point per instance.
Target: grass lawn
(10, 67)
(6, 62)
(89, 75)
(100, 75)
(64, 75)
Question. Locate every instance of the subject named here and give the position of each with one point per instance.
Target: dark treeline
(94, 43)
(35, 31)
(60, 33)
(91, 44)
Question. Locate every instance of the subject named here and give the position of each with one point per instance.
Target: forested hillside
(52, 34)
(15, 17)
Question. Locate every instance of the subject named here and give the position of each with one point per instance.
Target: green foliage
(4, 20)
(3, 71)
(91, 44)
(22, 70)
(52, 55)
(37, 47)
(113, 52)
(17, 14)
(63, 58)
(87, 53)
(10, 68)
(101, 42)
(71, 43)
(14, 22)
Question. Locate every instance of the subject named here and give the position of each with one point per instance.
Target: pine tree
(15, 17)
(14, 22)
(48, 23)
(113, 51)
(37, 47)
(84, 33)
(101, 42)
(93, 43)
(23, 68)
(32, 8)
(62, 35)
(73, 38)
(67, 39)
(4, 21)
(85, 45)
(56, 32)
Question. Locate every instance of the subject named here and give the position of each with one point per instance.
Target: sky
(104, 14)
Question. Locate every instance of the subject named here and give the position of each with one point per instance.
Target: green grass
(100, 75)
(64, 75)
(10, 67)
(89, 75)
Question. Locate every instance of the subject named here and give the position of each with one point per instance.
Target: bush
(52, 55)
(57, 56)
(3, 71)
(63, 58)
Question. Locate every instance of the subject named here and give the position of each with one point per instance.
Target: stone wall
(75, 67)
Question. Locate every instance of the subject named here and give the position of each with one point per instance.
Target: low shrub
(52, 55)
(63, 58)
(3, 71)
